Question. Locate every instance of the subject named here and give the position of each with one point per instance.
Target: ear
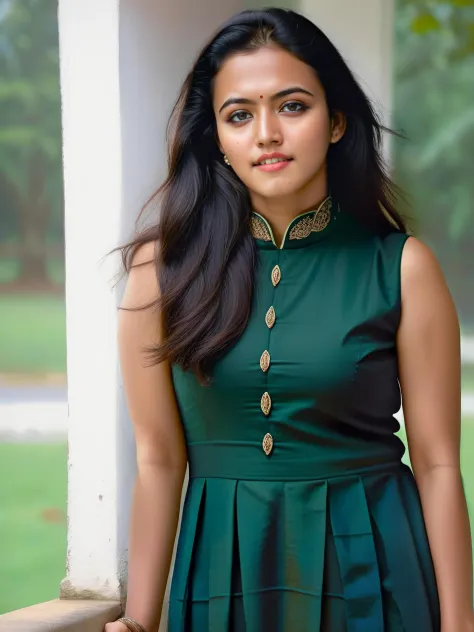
(338, 126)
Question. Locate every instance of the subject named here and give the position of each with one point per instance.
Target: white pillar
(89, 48)
(121, 66)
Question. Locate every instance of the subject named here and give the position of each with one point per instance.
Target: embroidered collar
(300, 228)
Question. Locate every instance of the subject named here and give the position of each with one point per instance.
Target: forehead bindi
(261, 74)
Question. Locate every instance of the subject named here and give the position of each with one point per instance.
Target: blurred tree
(30, 136)
(434, 93)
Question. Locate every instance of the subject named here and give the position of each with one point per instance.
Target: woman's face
(271, 106)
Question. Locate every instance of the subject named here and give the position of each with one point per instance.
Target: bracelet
(131, 624)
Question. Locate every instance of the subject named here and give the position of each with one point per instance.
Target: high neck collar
(303, 230)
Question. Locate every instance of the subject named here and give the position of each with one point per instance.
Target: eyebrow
(278, 95)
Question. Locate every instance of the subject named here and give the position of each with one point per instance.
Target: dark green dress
(299, 515)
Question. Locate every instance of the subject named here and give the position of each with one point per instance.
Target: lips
(271, 159)
(272, 163)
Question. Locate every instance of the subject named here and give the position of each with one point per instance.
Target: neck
(279, 213)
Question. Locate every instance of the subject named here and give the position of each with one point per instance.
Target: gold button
(265, 361)
(270, 318)
(266, 404)
(276, 276)
(267, 444)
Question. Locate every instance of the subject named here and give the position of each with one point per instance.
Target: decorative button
(276, 276)
(266, 404)
(267, 444)
(265, 361)
(270, 318)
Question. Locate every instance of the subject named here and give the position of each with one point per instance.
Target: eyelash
(302, 108)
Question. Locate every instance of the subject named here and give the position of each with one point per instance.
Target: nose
(268, 129)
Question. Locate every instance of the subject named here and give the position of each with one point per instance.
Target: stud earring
(226, 160)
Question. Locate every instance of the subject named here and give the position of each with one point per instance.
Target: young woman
(268, 320)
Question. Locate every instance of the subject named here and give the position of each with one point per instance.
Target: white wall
(263, 4)
(362, 31)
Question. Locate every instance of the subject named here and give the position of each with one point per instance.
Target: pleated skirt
(346, 554)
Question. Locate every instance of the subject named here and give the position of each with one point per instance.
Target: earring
(226, 160)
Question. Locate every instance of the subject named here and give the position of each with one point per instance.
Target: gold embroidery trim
(322, 217)
(266, 404)
(259, 229)
(267, 444)
(312, 222)
(270, 318)
(303, 228)
(276, 276)
(265, 361)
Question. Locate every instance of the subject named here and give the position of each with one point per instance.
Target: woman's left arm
(429, 368)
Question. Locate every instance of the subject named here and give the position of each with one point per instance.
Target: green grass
(467, 463)
(33, 527)
(9, 270)
(32, 523)
(32, 334)
(467, 378)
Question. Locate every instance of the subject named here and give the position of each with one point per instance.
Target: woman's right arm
(161, 452)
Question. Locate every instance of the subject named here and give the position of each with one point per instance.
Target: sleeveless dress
(299, 514)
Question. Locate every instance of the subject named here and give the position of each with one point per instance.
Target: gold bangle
(131, 624)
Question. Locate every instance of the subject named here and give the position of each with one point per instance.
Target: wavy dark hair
(206, 257)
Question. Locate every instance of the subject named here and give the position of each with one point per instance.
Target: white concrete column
(89, 48)
(121, 67)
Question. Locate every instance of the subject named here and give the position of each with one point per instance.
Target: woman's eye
(238, 117)
(294, 106)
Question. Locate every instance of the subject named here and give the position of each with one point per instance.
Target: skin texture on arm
(161, 453)
(429, 368)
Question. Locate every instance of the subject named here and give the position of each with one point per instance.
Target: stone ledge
(61, 616)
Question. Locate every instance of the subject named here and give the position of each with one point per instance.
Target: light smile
(271, 161)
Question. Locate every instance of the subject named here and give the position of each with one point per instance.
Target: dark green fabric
(326, 533)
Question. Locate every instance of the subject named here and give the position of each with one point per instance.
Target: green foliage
(434, 93)
(30, 136)
(425, 22)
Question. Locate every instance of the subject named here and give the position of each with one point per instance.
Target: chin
(277, 191)
(276, 187)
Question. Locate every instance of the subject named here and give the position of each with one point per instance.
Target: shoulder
(426, 299)
(142, 284)
(419, 264)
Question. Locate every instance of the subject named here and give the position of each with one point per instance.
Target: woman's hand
(116, 626)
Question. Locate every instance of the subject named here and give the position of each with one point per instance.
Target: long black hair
(206, 256)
